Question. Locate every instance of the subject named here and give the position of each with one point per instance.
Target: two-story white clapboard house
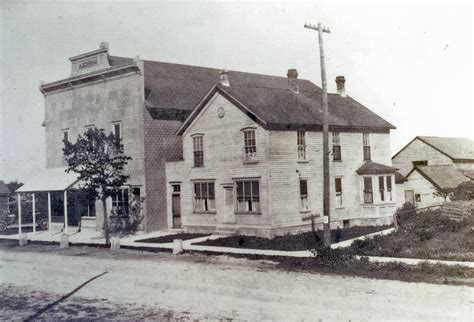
(252, 159)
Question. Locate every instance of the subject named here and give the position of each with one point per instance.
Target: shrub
(465, 191)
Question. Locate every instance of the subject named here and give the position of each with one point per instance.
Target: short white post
(19, 214)
(34, 213)
(65, 211)
(177, 246)
(49, 213)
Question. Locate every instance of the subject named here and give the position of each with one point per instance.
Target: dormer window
(250, 146)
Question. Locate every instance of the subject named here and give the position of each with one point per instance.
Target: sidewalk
(95, 238)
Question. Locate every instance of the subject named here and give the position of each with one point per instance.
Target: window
(250, 146)
(336, 147)
(120, 201)
(65, 136)
(301, 141)
(422, 162)
(204, 197)
(198, 148)
(304, 205)
(382, 188)
(368, 196)
(248, 196)
(389, 188)
(338, 185)
(117, 128)
(417, 197)
(366, 142)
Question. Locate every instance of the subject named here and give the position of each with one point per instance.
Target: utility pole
(326, 195)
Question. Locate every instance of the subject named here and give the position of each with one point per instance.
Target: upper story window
(65, 136)
(204, 197)
(338, 186)
(304, 204)
(198, 149)
(250, 146)
(248, 196)
(117, 130)
(301, 141)
(336, 146)
(389, 188)
(382, 188)
(366, 143)
(420, 162)
(368, 192)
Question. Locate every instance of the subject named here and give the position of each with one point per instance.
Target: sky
(411, 63)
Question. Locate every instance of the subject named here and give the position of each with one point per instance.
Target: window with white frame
(117, 131)
(120, 201)
(248, 196)
(366, 144)
(304, 204)
(250, 146)
(301, 141)
(389, 188)
(382, 188)
(198, 150)
(338, 188)
(204, 197)
(368, 192)
(336, 147)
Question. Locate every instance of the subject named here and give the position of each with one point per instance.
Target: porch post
(19, 214)
(49, 213)
(65, 211)
(34, 212)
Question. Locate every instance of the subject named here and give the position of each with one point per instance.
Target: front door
(229, 212)
(410, 196)
(176, 205)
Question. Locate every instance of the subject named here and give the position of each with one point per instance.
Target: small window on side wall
(65, 136)
(250, 146)
(368, 192)
(117, 131)
(301, 141)
(338, 186)
(336, 147)
(198, 150)
(304, 204)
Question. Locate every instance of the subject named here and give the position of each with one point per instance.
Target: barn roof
(457, 149)
(441, 176)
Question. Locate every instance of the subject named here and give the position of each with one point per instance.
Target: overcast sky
(410, 63)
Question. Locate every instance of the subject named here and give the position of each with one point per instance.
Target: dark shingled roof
(441, 176)
(375, 168)
(455, 148)
(399, 178)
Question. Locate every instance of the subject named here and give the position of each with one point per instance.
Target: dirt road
(140, 285)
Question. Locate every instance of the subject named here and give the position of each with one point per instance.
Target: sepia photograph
(236, 160)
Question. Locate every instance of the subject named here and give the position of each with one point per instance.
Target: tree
(99, 161)
(14, 185)
(443, 193)
(465, 191)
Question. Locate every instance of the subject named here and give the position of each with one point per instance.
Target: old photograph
(236, 161)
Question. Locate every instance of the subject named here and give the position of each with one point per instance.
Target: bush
(465, 191)
(126, 224)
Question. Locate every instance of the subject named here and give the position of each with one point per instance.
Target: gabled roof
(399, 178)
(441, 176)
(457, 149)
(375, 168)
(278, 108)
(4, 188)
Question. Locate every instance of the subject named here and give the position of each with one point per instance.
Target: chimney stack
(104, 45)
(341, 87)
(224, 77)
(292, 77)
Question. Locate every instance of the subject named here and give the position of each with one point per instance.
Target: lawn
(170, 238)
(428, 235)
(296, 242)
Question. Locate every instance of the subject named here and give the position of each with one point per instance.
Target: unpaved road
(161, 286)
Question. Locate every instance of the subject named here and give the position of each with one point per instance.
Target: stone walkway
(93, 237)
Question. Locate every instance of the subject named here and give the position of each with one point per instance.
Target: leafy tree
(443, 193)
(465, 191)
(99, 161)
(14, 185)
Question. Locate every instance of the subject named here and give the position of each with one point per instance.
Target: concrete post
(34, 212)
(115, 243)
(177, 246)
(64, 242)
(23, 240)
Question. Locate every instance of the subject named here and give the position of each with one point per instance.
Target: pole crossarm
(316, 27)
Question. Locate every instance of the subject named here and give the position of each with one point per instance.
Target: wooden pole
(65, 212)
(34, 213)
(19, 214)
(326, 191)
(49, 213)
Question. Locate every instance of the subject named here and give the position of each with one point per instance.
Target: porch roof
(51, 179)
(375, 168)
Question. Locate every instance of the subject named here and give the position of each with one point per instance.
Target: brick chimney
(224, 77)
(341, 87)
(292, 77)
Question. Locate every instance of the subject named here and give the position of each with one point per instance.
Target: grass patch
(296, 242)
(340, 263)
(427, 235)
(170, 238)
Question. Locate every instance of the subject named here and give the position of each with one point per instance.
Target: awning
(375, 168)
(51, 179)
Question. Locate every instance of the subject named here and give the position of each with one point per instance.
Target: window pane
(338, 183)
(211, 189)
(367, 183)
(197, 190)
(247, 189)
(337, 152)
(303, 187)
(389, 183)
(255, 189)
(240, 189)
(381, 183)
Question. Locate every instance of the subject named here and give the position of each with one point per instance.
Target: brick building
(253, 163)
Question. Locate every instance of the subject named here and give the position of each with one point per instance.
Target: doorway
(410, 196)
(229, 213)
(176, 205)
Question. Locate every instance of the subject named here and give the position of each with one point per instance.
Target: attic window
(421, 162)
